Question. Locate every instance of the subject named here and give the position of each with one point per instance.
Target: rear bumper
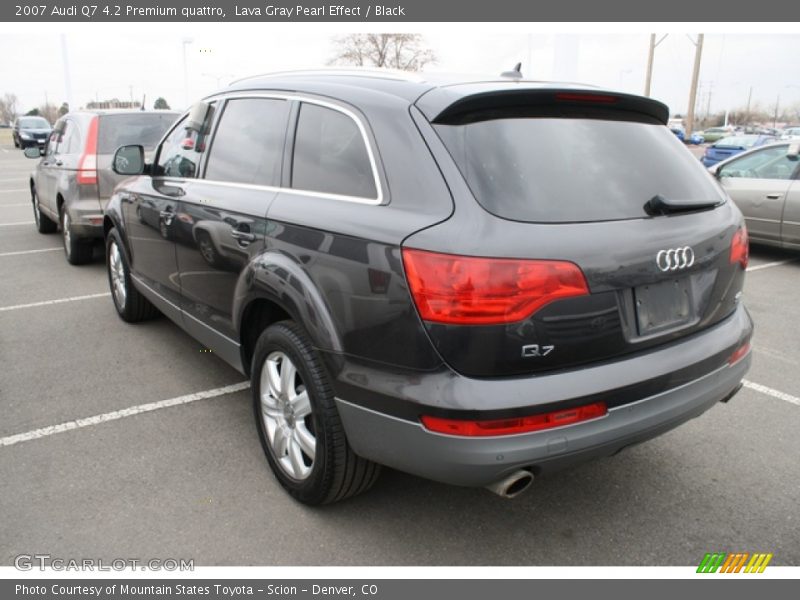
(404, 444)
(86, 216)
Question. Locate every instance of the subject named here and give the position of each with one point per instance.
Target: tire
(207, 249)
(77, 250)
(288, 414)
(131, 305)
(44, 224)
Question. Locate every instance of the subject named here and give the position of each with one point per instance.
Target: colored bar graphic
(734, 562)
(741, 562)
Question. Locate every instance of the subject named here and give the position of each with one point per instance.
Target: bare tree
(49, 112)
(404, 51)
(8, 108)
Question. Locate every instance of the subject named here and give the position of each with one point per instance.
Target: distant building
(106, 104)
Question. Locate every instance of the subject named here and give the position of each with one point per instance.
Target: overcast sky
(125, 61)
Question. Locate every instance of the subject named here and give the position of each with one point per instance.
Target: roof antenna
(515, 73)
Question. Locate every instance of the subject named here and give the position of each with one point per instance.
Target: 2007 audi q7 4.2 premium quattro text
(471, 281)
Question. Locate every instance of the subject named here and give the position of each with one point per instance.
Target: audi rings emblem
(675, 259)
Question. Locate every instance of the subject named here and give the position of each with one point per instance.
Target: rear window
(738, 141)
(573, 169)
(145, 129)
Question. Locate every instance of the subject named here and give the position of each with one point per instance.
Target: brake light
(590, 98)
(454, 289)
(512, 426)
(740, 247)
(87, 165)
(739, 354)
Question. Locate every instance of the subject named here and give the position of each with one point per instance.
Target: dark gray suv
(471, 281)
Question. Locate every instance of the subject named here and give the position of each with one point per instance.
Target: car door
(790, 226)
(758, 183)
(150, 210)
(47, 172)
(223, 219)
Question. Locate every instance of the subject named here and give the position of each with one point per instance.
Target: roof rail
(376, 73)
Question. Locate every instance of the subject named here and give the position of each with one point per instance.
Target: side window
(330, 154)
(70, 139)
(248, 144)
(55, 139)
(179, 153)
(769, 163)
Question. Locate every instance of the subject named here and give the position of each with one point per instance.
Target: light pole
(650, 55)
(777, 102)
(186, 41)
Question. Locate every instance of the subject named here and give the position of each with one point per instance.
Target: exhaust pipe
(512, 485)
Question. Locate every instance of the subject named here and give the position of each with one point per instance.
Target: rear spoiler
(445, 105)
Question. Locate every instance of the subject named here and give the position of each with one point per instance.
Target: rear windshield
(34, 123)
(574, 169)
(738, 141)
(145, 129)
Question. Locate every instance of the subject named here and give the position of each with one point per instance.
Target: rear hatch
(596, 234)
(121, 129)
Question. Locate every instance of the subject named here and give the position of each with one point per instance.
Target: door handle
(774, 196)
(243, 237)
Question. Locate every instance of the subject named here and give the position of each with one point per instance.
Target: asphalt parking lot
(187, 478)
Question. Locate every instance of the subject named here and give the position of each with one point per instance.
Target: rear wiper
(658, 205)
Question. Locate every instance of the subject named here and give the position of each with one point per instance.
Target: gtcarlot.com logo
(736, 562)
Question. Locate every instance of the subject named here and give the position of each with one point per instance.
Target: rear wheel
(43, 223)
(130, 304)
(78, 251)
(297, 420)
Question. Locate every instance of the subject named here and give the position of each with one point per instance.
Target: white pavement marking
(120, 414)
(57, 301)
(29, 251)
(16, 191)
(757, 387)
(777, 263)
(17, 223)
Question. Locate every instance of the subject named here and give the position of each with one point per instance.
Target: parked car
(713, 134)
(73, 179)
(31, 131)
(472, 281)
(791, 133)
(763, 183)
(733, 145)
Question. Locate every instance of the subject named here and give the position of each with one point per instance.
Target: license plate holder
(663, 306)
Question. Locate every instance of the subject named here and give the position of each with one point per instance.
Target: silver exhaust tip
(512, 485)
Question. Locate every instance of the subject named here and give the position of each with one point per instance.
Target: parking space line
(16, 191)
(17, 223)
(777, 263)
(57, 301)
(757, 387)
(120, 414)
(30, 251)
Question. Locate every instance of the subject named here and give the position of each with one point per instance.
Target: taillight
(740, 247)
(87, 165)
(589, 98)
(739, 354)
(515, 425)
(470, 290)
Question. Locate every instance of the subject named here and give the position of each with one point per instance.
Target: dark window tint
(144, 129)
(574, 169)
(248, 144)
(330, 154)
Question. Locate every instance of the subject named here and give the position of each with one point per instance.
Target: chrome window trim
(301, 98)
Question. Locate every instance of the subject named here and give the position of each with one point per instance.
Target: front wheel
(298, 423)
(130, 304)
(43, 223)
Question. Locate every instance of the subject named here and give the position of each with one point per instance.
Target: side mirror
(128, 160)
(793, 152)
(33, 152)
(714, 170)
